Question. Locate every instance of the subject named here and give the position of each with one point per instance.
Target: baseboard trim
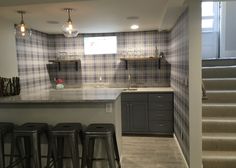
(177, 142)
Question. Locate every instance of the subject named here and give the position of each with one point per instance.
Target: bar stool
(106, 132)
(5, 128)
(31, 134)
(60, 133)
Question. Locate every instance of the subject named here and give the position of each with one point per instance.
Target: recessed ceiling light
(134, 27)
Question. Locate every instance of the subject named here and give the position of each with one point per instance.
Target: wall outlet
(109, 108)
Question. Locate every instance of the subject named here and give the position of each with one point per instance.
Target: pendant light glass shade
(68, 29)
(21, 30)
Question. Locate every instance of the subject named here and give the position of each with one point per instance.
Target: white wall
(195, 102)
(8, 59)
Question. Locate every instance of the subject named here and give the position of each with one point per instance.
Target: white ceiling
(95, 16)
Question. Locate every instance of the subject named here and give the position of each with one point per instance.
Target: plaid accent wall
(109, 67)
(32, 56)
(178, 57)
(36, 72)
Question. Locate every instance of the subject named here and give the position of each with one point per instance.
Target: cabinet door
(125, 114)
(138, 116)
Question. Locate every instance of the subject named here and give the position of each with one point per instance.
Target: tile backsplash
(93, 69)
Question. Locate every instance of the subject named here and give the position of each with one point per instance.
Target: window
(100, 45)
(210, 16)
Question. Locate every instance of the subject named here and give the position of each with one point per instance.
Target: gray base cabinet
(147, 113)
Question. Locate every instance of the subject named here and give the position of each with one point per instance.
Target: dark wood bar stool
(106, 132)
(58, 134)
(31, 134)
(5, 128)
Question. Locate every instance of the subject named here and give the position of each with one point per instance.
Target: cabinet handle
(161, 125)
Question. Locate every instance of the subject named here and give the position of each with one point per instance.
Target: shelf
(65, 61)
(142, 59)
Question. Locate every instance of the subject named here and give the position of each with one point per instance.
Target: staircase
(219, 114)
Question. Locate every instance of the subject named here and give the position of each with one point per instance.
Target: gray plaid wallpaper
(178, 57)
(110, 68)
(33, 56)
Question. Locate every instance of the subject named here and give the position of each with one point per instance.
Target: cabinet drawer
(134, 97)
(160, 115)
(161, 126)
(160, 97)
(161, 106)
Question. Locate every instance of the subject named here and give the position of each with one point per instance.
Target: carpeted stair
(219, 114)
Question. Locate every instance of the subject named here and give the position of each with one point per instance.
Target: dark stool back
(31, 134)
(58, 134)
(105, 132)
(5, 128)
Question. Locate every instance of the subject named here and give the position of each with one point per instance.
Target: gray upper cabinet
(148, 113)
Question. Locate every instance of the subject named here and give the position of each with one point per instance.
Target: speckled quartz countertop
(94, 95)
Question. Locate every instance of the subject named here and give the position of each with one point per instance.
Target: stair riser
(219, 73)
(218, 111)
(221, 98)
(220, 84)
(228, 127)
(219, 163)
(219, 144)
(208, 63)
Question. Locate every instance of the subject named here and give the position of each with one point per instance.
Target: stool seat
(6, 127)
(100, 129)
(31, 127)
(65, 128)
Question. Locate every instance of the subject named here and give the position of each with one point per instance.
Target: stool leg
(2, 159)
(85, 149)
(20, 150)
(27, 144)
(116, 150)
(91, 152)
(60, 150)
(54, 151)
(50, 151)
(74, 150)
(36, 150)
(110, 151)
(84, 155)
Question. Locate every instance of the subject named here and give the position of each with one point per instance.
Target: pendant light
(68, 29)
(22, 31)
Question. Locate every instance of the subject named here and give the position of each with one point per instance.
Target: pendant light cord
(22, 18)
(69, 15)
